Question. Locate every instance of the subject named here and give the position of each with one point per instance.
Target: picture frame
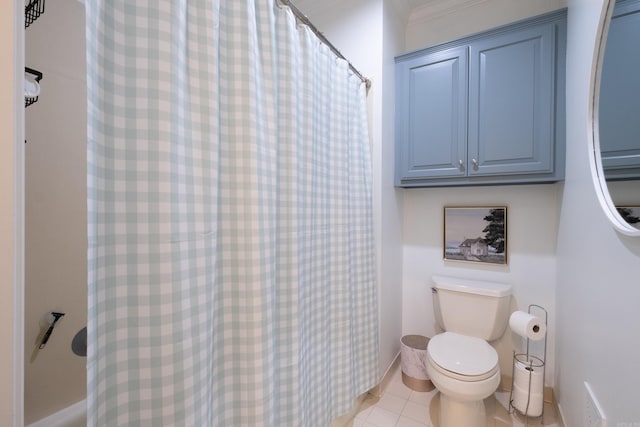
(475, 234)
(631, 214)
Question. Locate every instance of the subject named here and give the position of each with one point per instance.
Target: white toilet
(460, 362)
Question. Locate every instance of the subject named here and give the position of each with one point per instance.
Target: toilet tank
(470, 307)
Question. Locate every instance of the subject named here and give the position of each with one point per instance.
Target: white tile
(416, 412)
(408, 422)
(364, 413)
(398, 389)
(422, 397)
(391, 403)
(358, 422)
(397, 375)
(490, 406)
(396, 378)
(382, 418)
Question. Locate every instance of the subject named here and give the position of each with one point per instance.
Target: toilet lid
(463, 355)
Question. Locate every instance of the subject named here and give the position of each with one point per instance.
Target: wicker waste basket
(413, 355)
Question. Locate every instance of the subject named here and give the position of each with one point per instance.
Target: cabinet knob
(461, 163)
(475, 163)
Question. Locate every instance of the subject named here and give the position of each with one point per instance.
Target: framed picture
(477, 234)
(631, 214)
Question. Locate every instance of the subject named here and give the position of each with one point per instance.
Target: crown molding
(403, 8)
(434, 9)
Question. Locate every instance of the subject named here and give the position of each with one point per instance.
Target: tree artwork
(495, 230)
(476, 234)
(628, 215)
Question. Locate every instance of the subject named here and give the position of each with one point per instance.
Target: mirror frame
(595, 159)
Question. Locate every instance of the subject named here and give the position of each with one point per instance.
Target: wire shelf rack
(32, 11)
(28, 100)
(531, 363)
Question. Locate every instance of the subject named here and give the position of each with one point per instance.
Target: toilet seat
(462, 357)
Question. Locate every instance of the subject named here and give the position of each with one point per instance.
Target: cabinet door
(432, 115)
(511, 102)
(620, 95)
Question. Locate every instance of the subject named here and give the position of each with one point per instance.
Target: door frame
(17, 54)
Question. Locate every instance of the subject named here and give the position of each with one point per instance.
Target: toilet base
(454, 413)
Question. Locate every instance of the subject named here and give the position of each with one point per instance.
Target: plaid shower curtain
(231, 253)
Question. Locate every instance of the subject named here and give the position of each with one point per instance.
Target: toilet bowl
(465, 370)
(460, 362)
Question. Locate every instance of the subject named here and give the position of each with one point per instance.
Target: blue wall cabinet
(620, 94)
(436, 111)
(486, 109)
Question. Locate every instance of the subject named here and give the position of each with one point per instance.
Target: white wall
(531, 242)
(55, 202)
(598, 292)
(389, 200)
(367, 35)
(532, 210)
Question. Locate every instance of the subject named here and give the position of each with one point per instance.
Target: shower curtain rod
(303, 18)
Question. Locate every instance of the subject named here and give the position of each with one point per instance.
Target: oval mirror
(617, 116)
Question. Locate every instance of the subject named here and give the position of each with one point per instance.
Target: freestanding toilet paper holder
(531, 363)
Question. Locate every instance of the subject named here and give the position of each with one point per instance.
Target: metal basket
(28, 100)
(32, 11)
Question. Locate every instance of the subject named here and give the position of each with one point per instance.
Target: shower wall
(55, 220)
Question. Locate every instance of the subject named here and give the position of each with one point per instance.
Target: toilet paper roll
(527, 325)
(521, 377)
(520, 402)
(522, 391)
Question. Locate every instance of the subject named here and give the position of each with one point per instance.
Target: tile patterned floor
(399, 406)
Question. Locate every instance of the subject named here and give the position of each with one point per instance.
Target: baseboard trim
(558, 409)
(65, 417)
(386, 378)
